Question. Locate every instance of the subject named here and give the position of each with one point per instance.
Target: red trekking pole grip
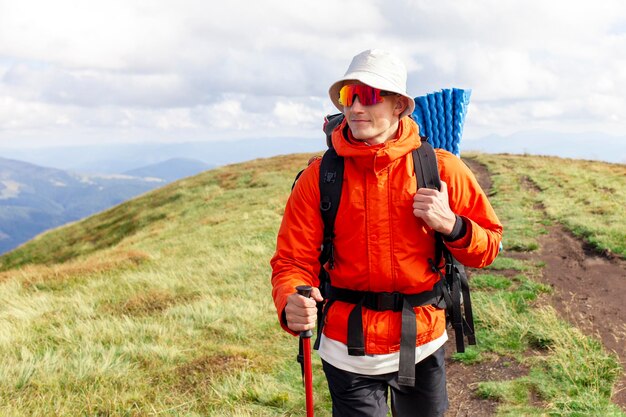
(305, 336)
(305, 291)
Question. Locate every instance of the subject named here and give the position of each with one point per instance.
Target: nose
(356, 104)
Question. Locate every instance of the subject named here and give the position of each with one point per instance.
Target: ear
(401, 104)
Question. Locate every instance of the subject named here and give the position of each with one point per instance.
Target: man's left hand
(433, 207)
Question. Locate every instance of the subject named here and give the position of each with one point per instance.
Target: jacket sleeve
(481, 242)
(300, 236)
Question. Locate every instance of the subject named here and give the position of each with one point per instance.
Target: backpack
(450, 292)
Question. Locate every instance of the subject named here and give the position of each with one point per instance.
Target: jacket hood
(377, 157)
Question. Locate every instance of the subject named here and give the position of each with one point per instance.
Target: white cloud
(292, 113)
(188, 70)
(226, 115)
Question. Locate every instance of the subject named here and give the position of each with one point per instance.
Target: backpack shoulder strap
(331, 182)
(457, 285)
(426, 169)
(427, 176)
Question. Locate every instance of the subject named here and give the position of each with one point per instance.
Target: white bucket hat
(379, 69)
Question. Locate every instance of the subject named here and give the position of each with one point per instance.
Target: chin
(360, 134)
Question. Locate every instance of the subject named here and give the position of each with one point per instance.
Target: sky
(75, 72)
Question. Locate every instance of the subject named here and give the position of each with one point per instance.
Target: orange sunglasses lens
(367, 95)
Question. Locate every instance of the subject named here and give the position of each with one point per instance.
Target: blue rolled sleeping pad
(441, 115)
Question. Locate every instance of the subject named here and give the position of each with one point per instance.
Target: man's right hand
(300, 312)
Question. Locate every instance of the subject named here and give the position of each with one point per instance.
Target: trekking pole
(305, 339)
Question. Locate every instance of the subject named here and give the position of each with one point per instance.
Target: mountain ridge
(35, 198)
(171, 169)
(119, 158)
(587, 146)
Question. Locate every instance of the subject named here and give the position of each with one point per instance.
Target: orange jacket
(379, 245)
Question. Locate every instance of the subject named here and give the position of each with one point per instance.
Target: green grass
(570, 373)
(587, 197)
(486, 281)
(162, 306)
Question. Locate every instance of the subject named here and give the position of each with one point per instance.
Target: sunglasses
(367, 95)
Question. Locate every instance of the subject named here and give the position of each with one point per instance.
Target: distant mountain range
(591, 146)
(170, 170)
(122, 158)
(34, 198)
(119, 158)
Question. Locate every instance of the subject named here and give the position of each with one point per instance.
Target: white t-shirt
(336, 354)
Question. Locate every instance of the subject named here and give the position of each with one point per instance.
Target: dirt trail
(589, 291)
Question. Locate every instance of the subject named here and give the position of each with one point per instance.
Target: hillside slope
(148, 305)
(162, 305)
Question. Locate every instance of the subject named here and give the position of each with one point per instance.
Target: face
(376, 123)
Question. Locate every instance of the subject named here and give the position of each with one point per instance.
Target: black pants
(356, 395)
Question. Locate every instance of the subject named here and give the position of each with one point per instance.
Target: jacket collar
(377, 157)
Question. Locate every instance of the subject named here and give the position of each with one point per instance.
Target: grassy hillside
(587, 197)
(161, 306)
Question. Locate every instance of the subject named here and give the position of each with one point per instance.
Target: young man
(384, 238)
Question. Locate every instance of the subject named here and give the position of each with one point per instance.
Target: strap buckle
(325, 203)
(383, 301)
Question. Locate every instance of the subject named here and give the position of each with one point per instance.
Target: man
(384, 238)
